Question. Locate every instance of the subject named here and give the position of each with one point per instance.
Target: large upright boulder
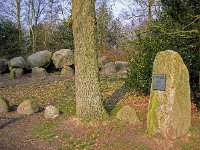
(3, 65)
(18, 62)
(63, 57)
(40, 59)
(169, 111)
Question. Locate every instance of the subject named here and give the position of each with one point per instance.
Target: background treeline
(141, 30)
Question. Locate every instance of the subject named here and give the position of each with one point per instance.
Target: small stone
(121, 67)
(127, 114)
(28, 107)
(4, 105)
(51, 112)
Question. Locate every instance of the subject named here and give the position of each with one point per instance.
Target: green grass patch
(45, 130)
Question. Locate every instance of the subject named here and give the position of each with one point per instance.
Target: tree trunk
(88, 96)
(18, 2)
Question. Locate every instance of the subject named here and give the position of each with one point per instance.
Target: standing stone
(16, 73)
(169, 111)
(39, 72)
(67, 71)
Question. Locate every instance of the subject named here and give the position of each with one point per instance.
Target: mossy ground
(69, 132)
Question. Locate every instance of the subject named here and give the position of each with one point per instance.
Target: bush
(149, 44)
(9, 45)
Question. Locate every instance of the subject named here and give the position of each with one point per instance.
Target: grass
(46, 130)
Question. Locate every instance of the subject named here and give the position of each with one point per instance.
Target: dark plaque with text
(159, 82)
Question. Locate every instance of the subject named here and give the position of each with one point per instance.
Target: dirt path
(15, 133)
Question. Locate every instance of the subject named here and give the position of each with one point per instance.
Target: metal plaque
(159, 82)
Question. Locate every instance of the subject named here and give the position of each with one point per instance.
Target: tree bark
(18, 2)
(88, 96)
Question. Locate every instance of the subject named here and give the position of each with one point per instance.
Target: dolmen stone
(128, 114)
(18, 62)
(4, 105)
(28, 107)
(39, 72)
(51, 112)
(63, 57)
(103, 60)
(40, 59)
(108, 69)
(121, 67)
(3, 65)
(16, 73)
(169, 111)
(67, 71)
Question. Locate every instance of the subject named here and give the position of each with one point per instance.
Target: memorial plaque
(159, 82)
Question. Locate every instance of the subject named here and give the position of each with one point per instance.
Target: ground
(68, 132)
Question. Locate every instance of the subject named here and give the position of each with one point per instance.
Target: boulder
(108, 69)
(67, 71)
(18, 62)
(127, 114)
(121, 67)
(39, 72)
(27, 108)
(4, 105)
(40, 59)
(169, 111)
(63, 57)
(3, 65)
(16, 73)
(103, 60)
(51, 112)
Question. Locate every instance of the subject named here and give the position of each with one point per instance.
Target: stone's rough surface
(18, 62)
(51, 112)
(67, 71)
(121, 67)
(3, 65)
(103, 60)
(39, 72)
(63, 57)
(18, 72)
(4, 106)
(127, 114)
(27, 108)
(169, 111)
(40, 59)
(108, 69)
